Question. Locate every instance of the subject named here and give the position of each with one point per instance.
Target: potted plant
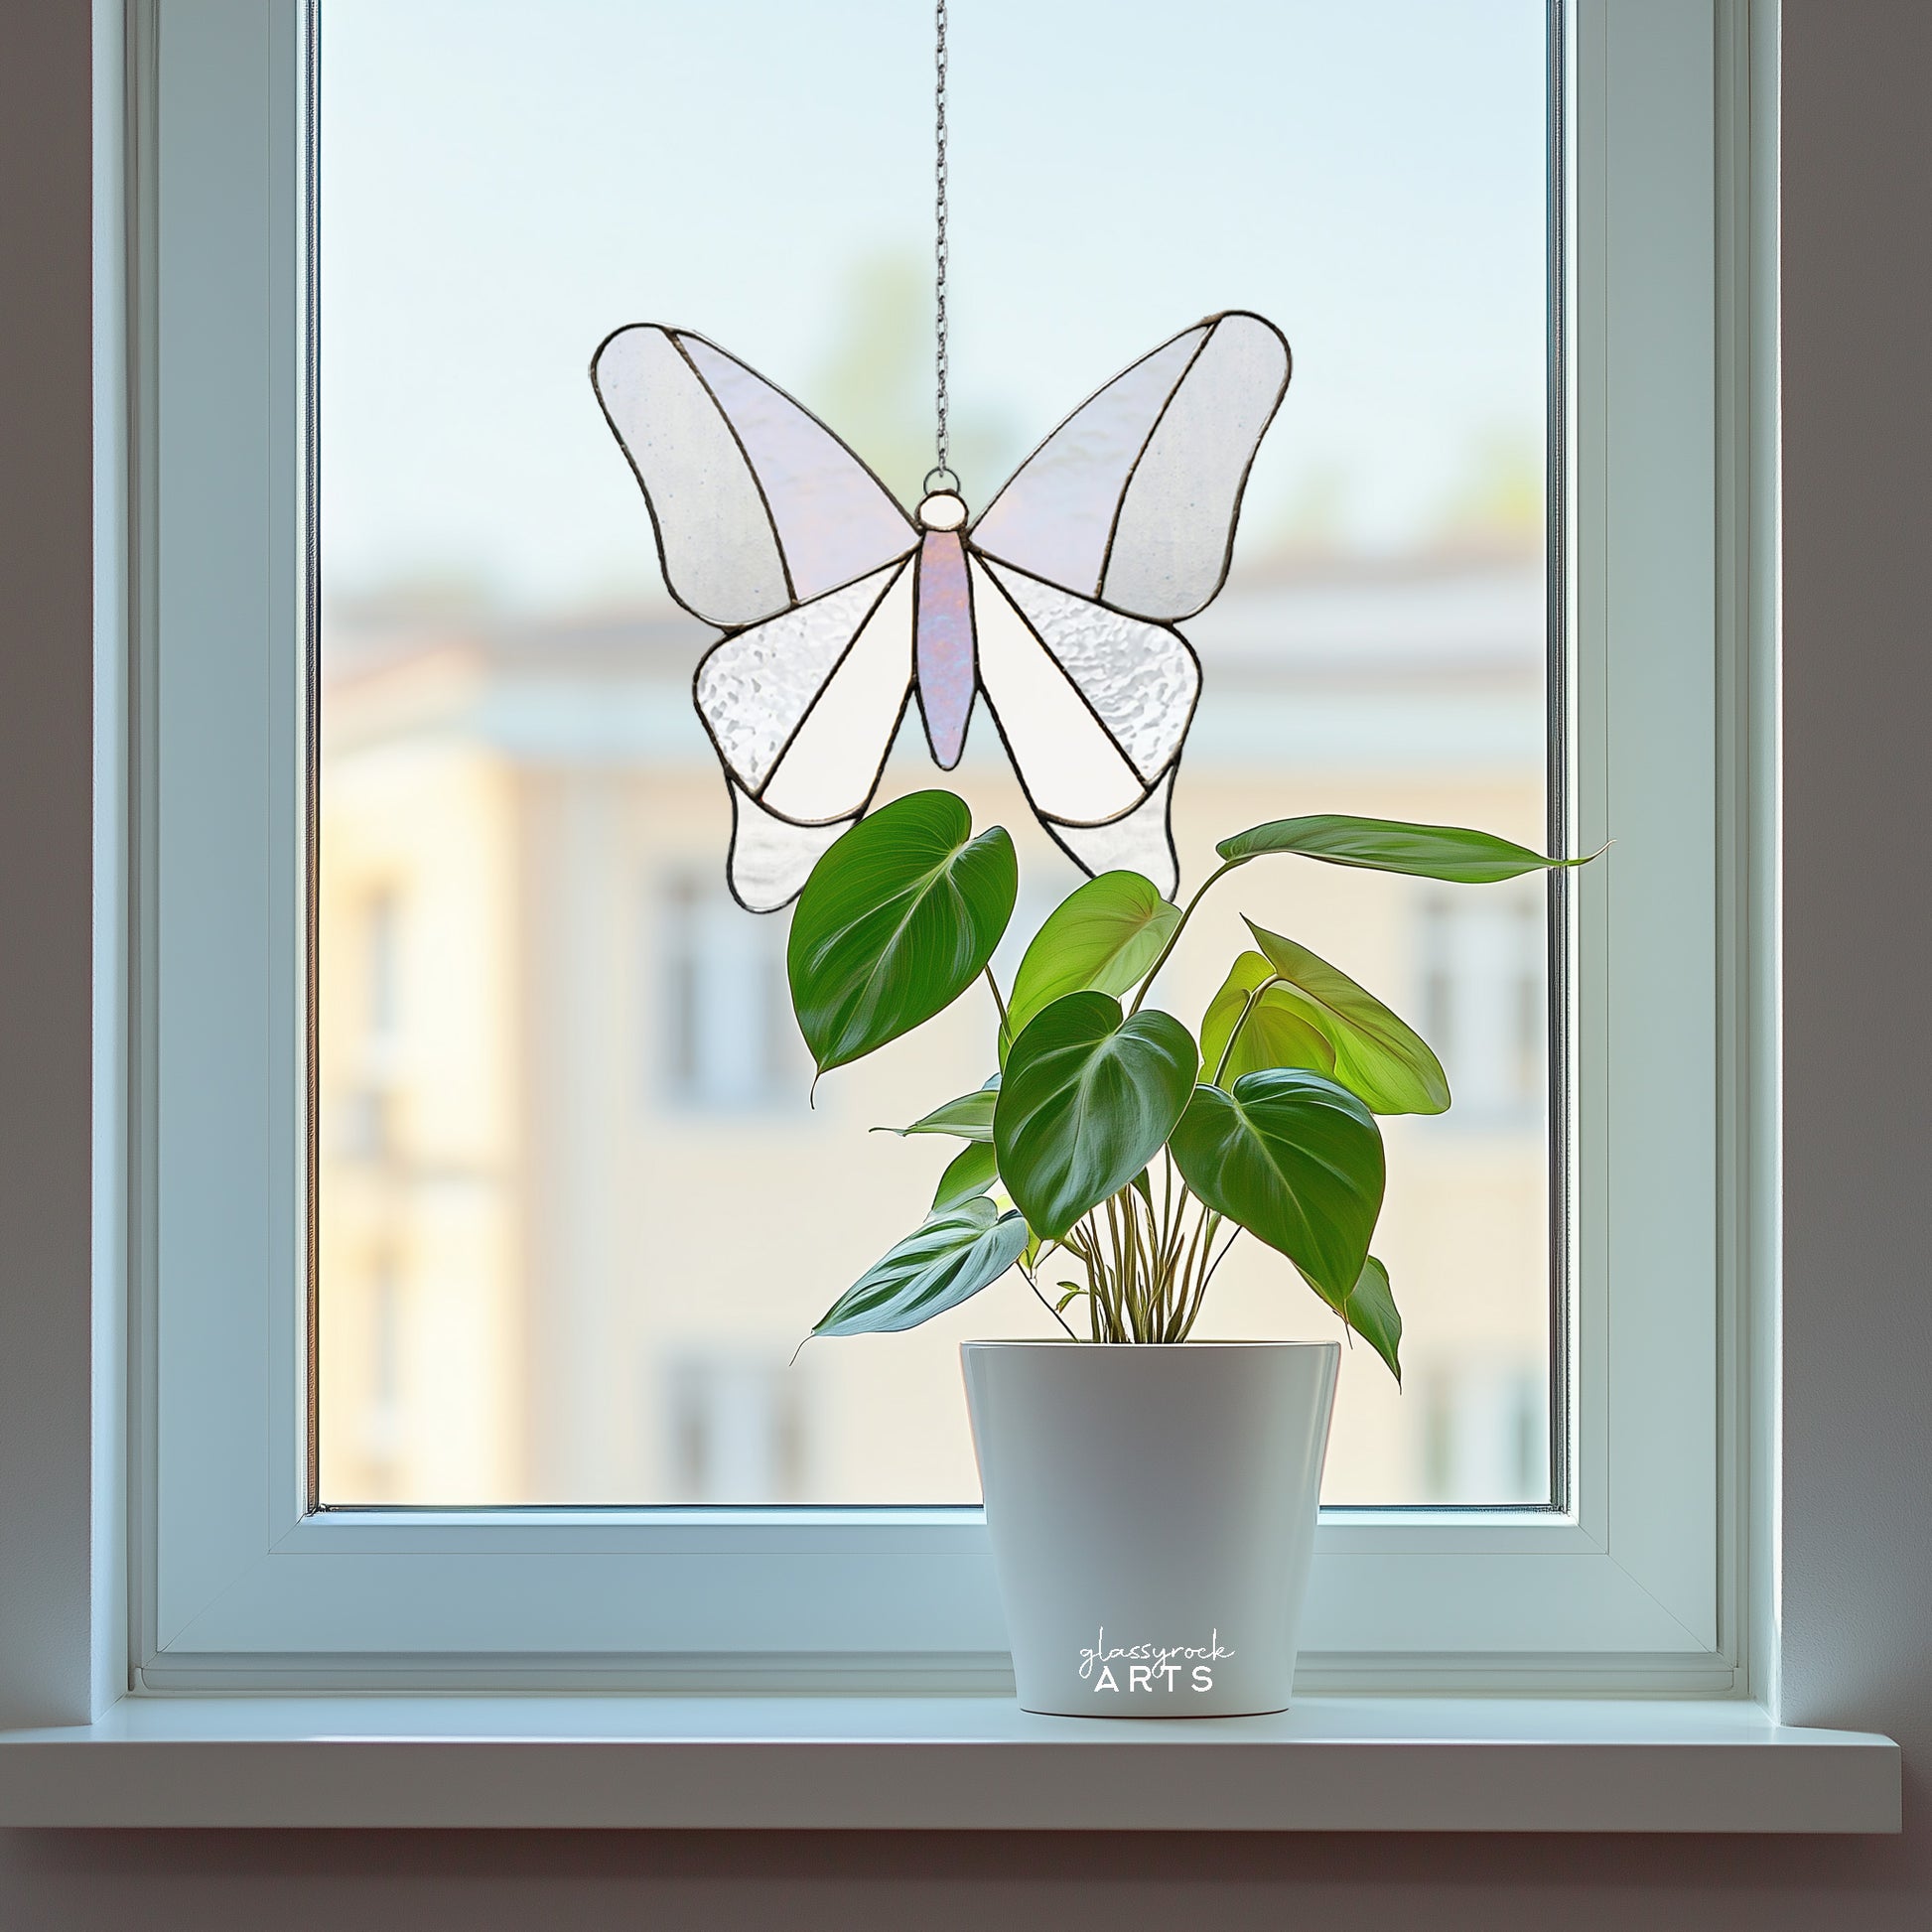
(1151, 1507)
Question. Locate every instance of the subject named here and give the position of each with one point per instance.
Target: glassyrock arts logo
(1152, 1669)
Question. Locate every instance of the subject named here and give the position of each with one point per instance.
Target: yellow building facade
(575, 1211)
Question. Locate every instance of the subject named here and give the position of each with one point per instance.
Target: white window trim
(1640, 1586)
(872, 1763)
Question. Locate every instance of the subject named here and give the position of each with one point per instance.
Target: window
(1483, 1004)
(1382, 645)
(737, 1429)
(521, 1279)
(727, 1036)
(1487, 1440)
(365, 1101)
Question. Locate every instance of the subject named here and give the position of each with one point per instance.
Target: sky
(504, 181)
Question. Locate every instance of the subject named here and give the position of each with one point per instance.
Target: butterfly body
(1056, 604)
(945, 656)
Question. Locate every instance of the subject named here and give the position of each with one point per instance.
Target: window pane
(575, 1211)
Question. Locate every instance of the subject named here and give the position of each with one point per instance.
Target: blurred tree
(1499, 503)
(875, 388)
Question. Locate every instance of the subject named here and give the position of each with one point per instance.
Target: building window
(382, 1427)
(367, 1111)
(1484, 1430)
(736, 1428)
(728, 1042)
(1483, 1004)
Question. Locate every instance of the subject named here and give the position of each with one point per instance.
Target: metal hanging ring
(949, 480)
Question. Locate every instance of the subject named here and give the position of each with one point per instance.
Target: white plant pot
(1152, 1511)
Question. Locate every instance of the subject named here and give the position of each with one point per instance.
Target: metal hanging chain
(941, 474)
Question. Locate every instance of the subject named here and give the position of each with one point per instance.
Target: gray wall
(1857, 1555)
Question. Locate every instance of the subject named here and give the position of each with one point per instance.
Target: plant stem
(1248, 1006)
(999, 1003)
(1034, 1283)
(1124, 1261)
(1145, 1260)
(1173, 939)
(1173, 1214)
(1200, 1293)
(1201, 1238)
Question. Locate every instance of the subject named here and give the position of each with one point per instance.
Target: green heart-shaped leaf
(935, 1268)
(969, 1118)
(1296, 1160)
(899, 918)
(1101, 939)
(1377, 1055)
(1450, 852)
(1369, 1309)
(972, 1170)
(1087, 1100)
(1274, 1034)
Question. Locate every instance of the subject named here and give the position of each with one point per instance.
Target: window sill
(1333, 1763)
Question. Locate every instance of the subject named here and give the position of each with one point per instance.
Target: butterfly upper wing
(1133, 500)
(756, 504)
(1120, 522)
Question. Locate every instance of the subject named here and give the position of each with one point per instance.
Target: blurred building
(575, 1210)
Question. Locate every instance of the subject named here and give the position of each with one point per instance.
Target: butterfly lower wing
(756, 504)
(1137, 841)
(772, 858)
(1095, 707)
(1133, 500)
(802, 710)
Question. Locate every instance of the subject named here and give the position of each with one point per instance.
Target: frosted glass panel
(1171, 542)
(575, 1210)
(719, 554)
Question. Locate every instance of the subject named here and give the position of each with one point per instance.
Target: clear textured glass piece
(1071, 769)
(1142, 678)
(770, 858)
(721, 560)
(834, 519)
(753, 688)
(1175, 527)
(1137, 841)
(1056, 515)
(832, 765)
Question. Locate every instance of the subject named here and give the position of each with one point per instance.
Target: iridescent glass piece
(945, 645)
(1055, 517)
(833, 519)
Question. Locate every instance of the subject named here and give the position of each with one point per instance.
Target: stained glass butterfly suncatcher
(1057, 602)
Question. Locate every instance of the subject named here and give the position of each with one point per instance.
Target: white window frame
(1637, 1585)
